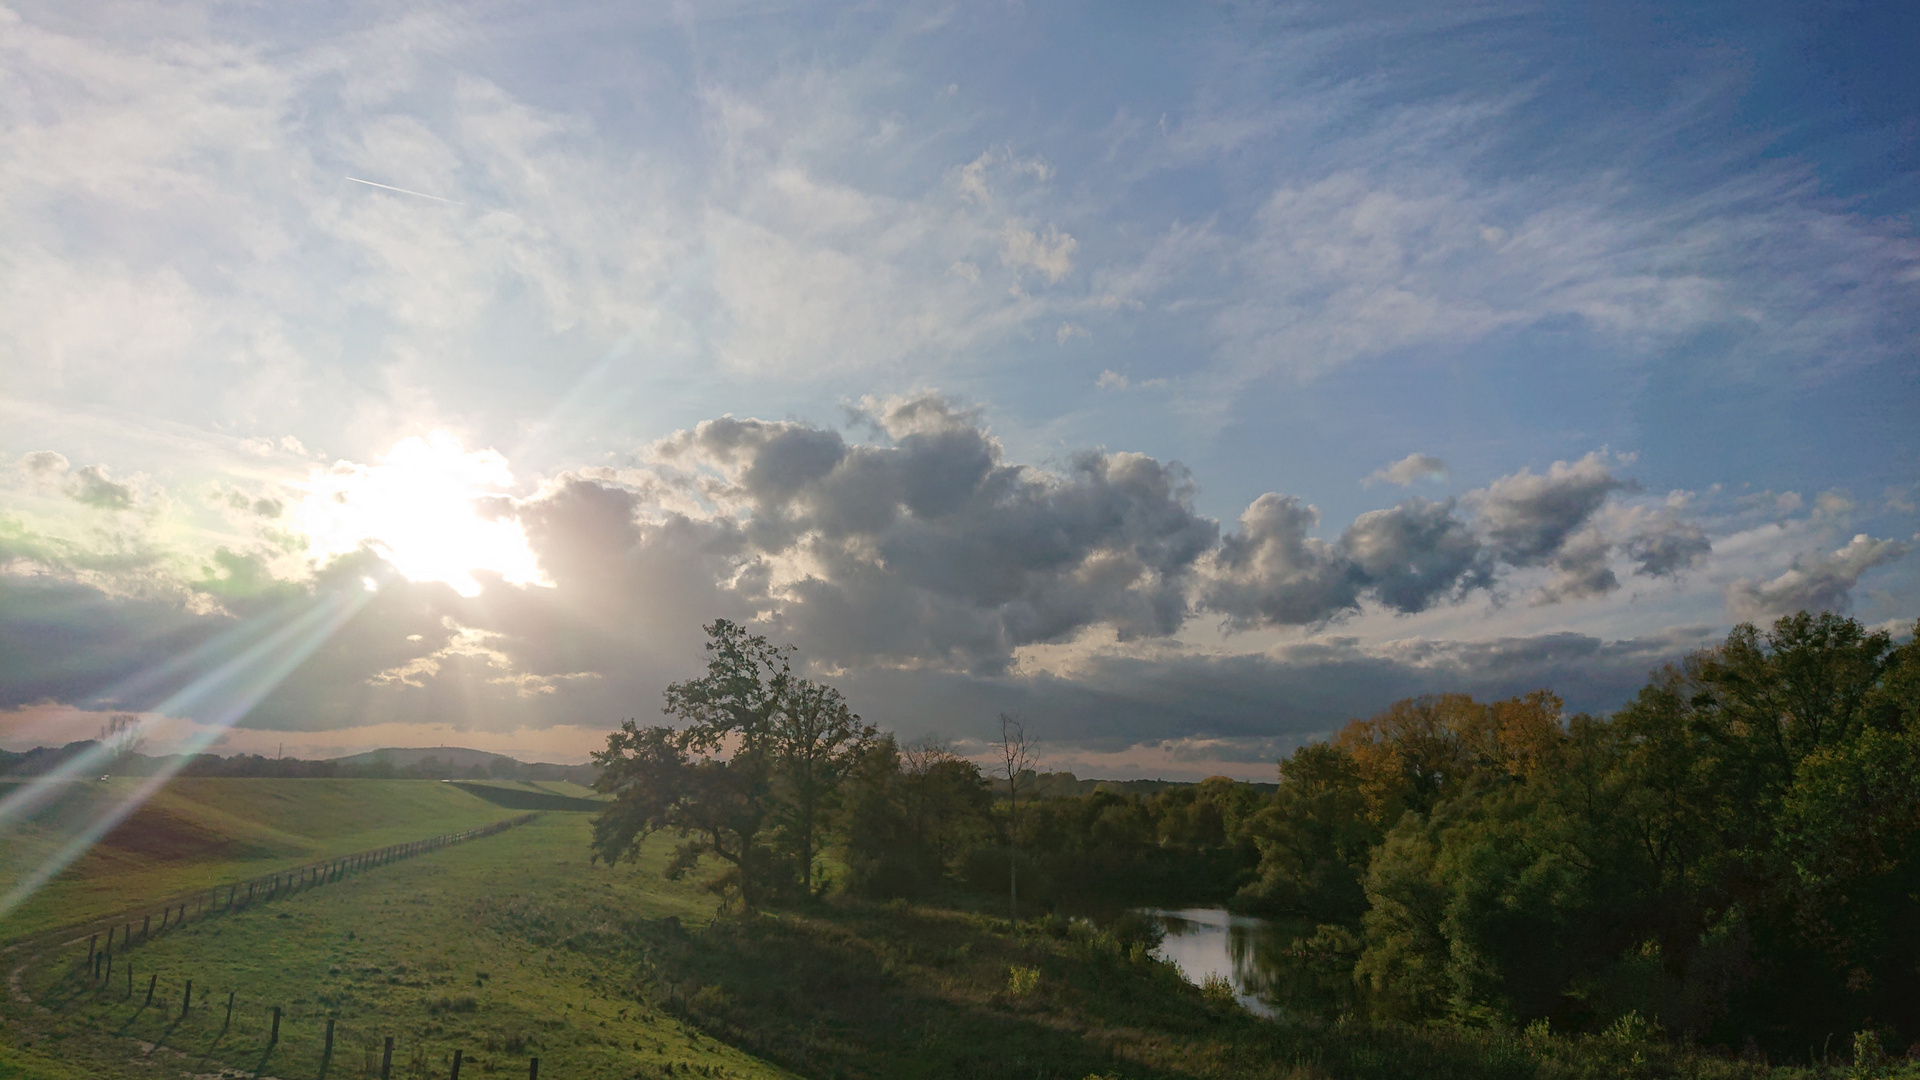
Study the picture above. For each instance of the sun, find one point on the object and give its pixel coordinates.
(423, 507)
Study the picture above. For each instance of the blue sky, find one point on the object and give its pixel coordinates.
(1630, 292)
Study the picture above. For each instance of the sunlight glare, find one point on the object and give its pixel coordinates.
(419, 508)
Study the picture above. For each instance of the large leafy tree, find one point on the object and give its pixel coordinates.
(753, 761)
(815, 741)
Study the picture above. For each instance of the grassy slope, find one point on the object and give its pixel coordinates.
(198, 832)
(416, 950)
(18, 1064)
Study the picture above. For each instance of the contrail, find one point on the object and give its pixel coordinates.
(404, 191)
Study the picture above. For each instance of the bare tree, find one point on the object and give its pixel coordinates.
(1017, 760)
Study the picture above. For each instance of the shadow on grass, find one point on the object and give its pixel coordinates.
(212, 1045)
(126, 1026)
(260, 1067)
(859, 990)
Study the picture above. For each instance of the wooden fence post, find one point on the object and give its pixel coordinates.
(108, 976)
(153, 980)
(186, 1000)
(326, 1052)
(93, 944)
(274, 1039)
(386, 1060)
(229, 1018)
(129, 981)
(533, 1069)
(455, 1074)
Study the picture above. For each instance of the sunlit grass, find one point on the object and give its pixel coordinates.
(407, 950)
(197, 832)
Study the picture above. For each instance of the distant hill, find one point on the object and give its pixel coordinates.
(1065, 784)
(411, 763)
(463, 761)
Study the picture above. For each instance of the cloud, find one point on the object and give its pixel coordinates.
(1050, 253)
(1262, 702)
(1529, 517)
(1664, 546)
(1415, 554)
(1834, 503)
(1407, 558)
(931, 548)
(1272, 573)
(1420, 553)
(92, 487)
(1408, 471)
(914, 563)
(44, 464)
(1815, 582)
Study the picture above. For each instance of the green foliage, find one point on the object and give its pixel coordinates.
(1731, 859)
(1314, 839)
(1022, 981)
(1732, 855)
(909, 817)
(748, 779)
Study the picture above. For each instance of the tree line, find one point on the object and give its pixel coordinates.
(1734, 856)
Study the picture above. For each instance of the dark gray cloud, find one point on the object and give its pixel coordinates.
(1414, 554)
(1667, 547)
(1528, 518)
(1265, 702)
(931, 548)
(1407, 558)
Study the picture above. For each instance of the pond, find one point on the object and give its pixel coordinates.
(1274, 970)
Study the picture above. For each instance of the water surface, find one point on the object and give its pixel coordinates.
(1260, 957)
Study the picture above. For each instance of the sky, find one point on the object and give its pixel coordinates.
(1186, 379)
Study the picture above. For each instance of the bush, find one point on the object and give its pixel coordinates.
(1022, 981)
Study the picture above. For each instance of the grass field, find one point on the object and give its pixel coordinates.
(198, 832)
(420, 950)
(515, 946)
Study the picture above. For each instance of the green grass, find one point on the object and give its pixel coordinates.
(415, 950)
(514, 946)
(201, 831)
(564, 788)
(16, 1064)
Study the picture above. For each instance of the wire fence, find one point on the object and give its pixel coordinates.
(106, 973)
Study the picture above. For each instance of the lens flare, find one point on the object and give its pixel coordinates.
(237, 669)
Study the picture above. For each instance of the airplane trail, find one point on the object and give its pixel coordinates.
(404, 191)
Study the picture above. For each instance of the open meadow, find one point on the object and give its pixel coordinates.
(198, 832)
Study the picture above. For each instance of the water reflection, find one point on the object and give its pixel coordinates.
(1274, 969)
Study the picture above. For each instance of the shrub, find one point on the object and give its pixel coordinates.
(1022, 981)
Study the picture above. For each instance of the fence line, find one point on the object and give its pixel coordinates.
(208, 902)
(99, 962)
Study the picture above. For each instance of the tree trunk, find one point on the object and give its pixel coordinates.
(1013, 854)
